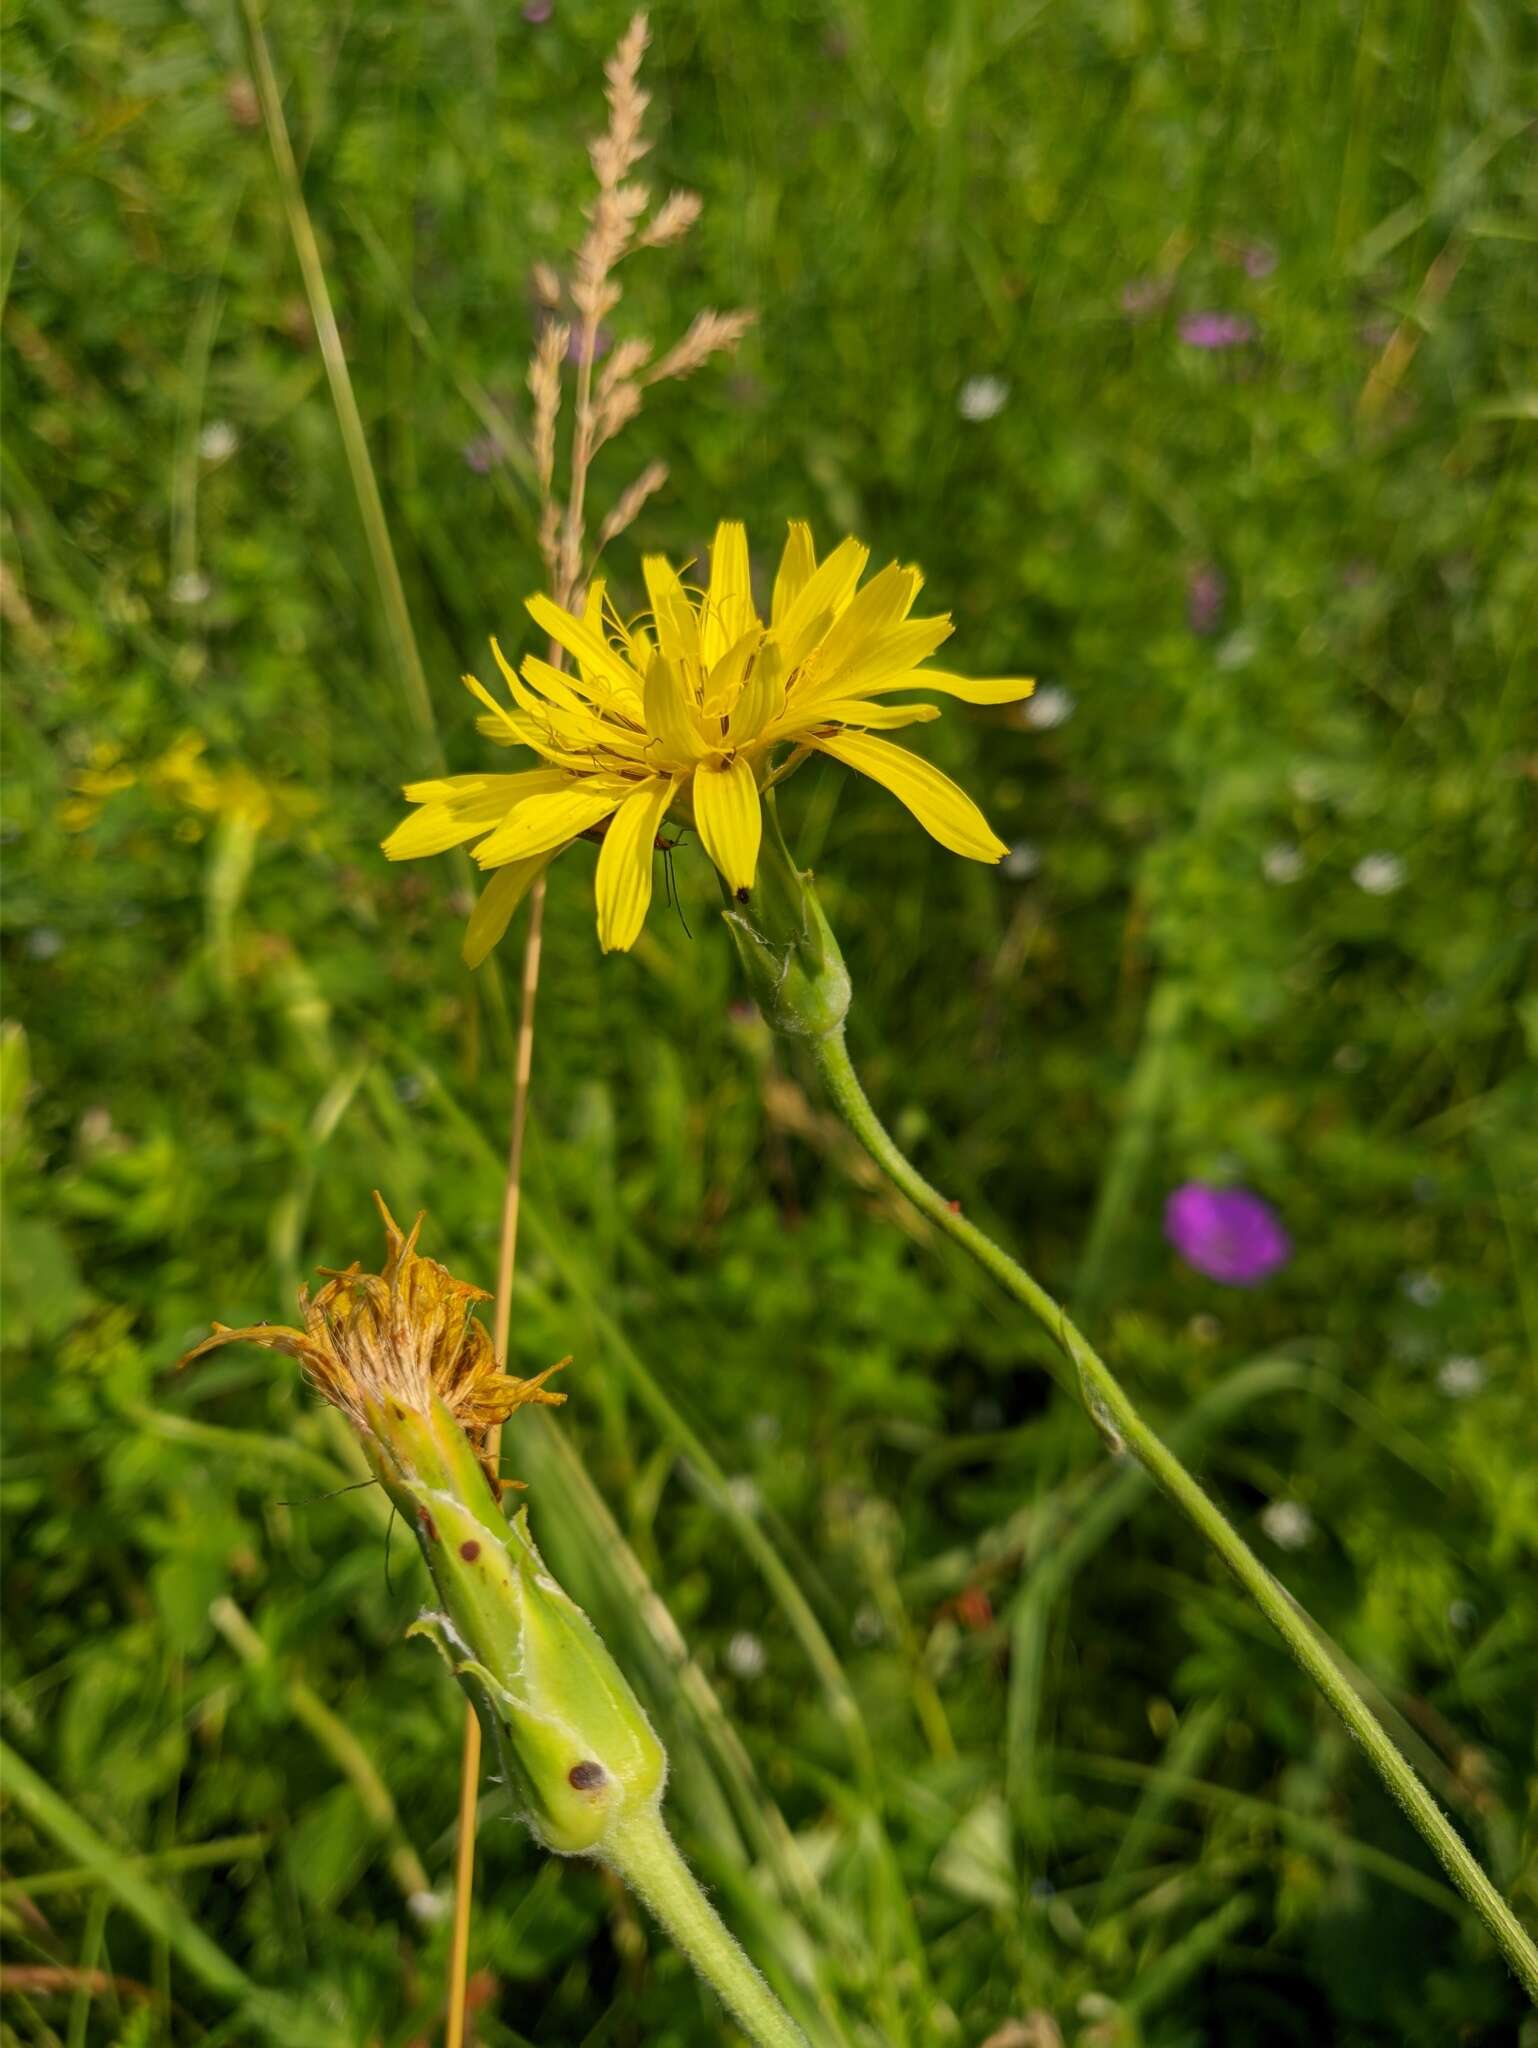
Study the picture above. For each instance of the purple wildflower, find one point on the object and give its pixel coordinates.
(1142, 296)
(1227, 1233)
(603, 341)
(1216, 330)
(1206, 589)
(537, 12)
(481, 454)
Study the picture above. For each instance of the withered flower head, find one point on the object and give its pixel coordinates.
(406, 1333)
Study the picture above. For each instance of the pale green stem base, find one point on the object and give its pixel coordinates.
(642, 1851)
(1117, 1419)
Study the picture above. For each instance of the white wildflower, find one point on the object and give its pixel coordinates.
(982, 398)
(1379, 874)
(1288, 1523)
(1050, 706)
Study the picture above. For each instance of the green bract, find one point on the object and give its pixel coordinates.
(575, 1745)
(787, 948)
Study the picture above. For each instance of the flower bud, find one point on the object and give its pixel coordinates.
(575, 1745)
(789, 954)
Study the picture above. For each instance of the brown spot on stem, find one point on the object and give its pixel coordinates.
(469, 1550)
(585, 1777)
(429, 1526)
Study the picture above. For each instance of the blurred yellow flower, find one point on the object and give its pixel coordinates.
(182, 776)
(692, 710)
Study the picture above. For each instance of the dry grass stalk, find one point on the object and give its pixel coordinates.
(545, 389)
(672, 220)
(607, 398)
(613, 223)
(630, 501)
(708, 334)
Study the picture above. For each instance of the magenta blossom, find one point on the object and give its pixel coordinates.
(482, 454)
(1216, 330)
(1227, 1233)
(1143, 295)
(602, 342)
(1206, 589)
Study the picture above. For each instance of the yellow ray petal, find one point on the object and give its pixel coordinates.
(596, 723)
(862, 713)
(672, 717)
(578, 638)
(723, 685)
(443, 788)
(565, 722)
(889, 653)
(762, 700)
(970, 689)
(497, 901)
(611, 686)
(944, 810)
(553, 684)
(729, 819)
(474, 804)
(678, 630)
(624, 882)
(498, 715)
(825, 594)
(729, 607)
(795, 571)
(884, 603)
(542, 823)
(503, 730)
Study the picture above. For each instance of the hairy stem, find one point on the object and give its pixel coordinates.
(644, 1854)
(1118, 1420)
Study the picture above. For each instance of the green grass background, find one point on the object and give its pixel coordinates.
(1021, 1766)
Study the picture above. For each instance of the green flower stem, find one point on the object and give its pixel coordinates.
(641, 1850)
(1117, 1419)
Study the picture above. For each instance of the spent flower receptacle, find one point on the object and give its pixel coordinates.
(403, 1357)
(400, 1353)
(575, 1745)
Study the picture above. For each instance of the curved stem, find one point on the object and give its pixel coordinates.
(1118, 1421)
(645, 1855)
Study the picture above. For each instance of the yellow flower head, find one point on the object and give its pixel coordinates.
(399, 1337)
(689, 711)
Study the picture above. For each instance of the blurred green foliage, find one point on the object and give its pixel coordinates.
(1270, 916)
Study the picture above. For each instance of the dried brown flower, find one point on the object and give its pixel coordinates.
(402, 1335)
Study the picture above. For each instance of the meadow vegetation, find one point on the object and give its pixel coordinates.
(1189, 350)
